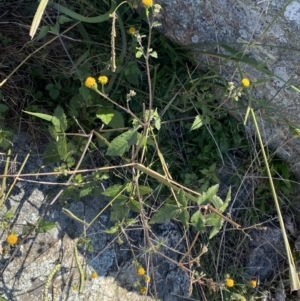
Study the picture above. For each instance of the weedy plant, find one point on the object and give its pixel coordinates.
(148, 121)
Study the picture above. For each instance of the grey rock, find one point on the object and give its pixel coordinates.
(240, 23)
(266, 253)
(25, 275)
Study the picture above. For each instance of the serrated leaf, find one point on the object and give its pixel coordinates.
(164, 213)
(184, 218)
(119, 211)
(207, 195)
(216, 201)
(85, 191)
(216, 222)
(106, 115)
(61, 145)
(181, 198)
(112, 191)
(44, 226)
(121, 144)
(60, 115)
(134, 206)
(226, 202)
(198, 122)
(52, 132)
(114, 229)
(198, 221)
(144, 190)
(117, 121)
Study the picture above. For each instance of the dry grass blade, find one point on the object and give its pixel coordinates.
(294, 279)
(37, 17)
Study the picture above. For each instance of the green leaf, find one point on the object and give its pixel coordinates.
(153, 54)
(181, 198)
(44, 225)
(134, 205)
(3, 108)
(121, 144)
(85, 93)
(156, 24)
(207, 195)
(50, 154)
(119, 210)
(54, 93)
(184, 218)
(117, 120)
(113, 190)
(85, 191)
(52, 132)
(198, 122)
(60, 115)
(55, 28)
(40, 115)
(114, 229)
(64, 19)
(164, 213)
(106, 115)
(144, 190)
(138, 54)
(9, 215)
(226, 202)
(61, 144)
(216, 201)
(216, 221)
(198, 221)
(43, 31)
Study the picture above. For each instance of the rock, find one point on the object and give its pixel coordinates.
(266, 255)
(24, 277)
(262, 30)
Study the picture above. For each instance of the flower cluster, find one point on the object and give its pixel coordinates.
(90, 82)
(246, 82)
(103, 80)
(12, 239)
(94, 275)
(229, 282)
(147, 3)
(131, 30)
(141, 271)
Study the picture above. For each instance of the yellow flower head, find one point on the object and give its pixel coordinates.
(147, 278)
(12, 239)
(90, 82)
(246, 82)
(94, 275)
(297, 132)
(253, 283)
(143, 290)
(141, 271)
(229, 282)
(103, 79)
(132, 30)
(147, 3)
